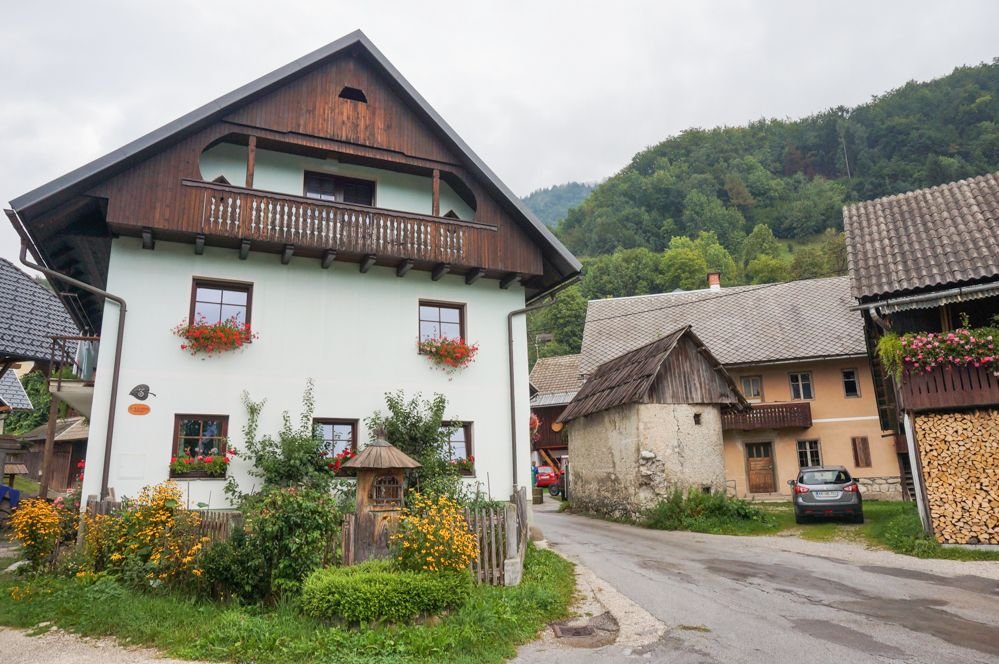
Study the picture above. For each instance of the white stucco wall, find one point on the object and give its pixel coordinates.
(624, 460)
(354, 334)
(285, 173)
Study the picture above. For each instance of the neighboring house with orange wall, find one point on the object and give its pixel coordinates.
(798, 353)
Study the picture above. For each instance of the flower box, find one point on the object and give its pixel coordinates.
(203, 338)
(448, 354)
(196, 475)
(465, 466)
(213, 466)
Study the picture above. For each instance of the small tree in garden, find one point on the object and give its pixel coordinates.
(417, 427)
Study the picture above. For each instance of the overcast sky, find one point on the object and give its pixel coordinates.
(545, 92)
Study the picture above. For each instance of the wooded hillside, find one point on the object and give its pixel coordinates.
(794, 175)
(551, 204)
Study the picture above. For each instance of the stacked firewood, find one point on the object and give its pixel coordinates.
(960, 459)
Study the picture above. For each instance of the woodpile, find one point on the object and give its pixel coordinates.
(960, 459)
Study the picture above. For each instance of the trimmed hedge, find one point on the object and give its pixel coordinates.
(375, 591)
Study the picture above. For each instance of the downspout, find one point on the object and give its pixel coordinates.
(22, 231)
(512, 368)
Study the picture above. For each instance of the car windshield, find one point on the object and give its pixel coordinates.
(545, 469)
(825, 477)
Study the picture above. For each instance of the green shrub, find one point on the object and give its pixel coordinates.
(375, 591)
(235, 569)
(707, 513)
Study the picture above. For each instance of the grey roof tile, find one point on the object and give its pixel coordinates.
(741, 324)
(30, 315)
(12, 394)
(940, 236)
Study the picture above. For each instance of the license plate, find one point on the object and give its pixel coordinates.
(826, 494)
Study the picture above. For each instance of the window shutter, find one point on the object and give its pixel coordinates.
(861, 452)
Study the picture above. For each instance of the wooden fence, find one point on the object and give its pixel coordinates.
(489, 527)
(216, 525)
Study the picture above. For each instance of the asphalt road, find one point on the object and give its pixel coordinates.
(743, 599)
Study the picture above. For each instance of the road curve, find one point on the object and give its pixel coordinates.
(742, 599)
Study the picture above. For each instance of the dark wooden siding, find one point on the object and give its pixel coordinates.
(546, 437)
(308, 114)
(685, 377)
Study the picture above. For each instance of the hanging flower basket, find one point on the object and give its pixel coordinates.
(449, 354)
(212, 465)
(203, 338)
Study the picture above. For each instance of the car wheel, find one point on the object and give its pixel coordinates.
(553, 490)
(798, 518)
(857, 518)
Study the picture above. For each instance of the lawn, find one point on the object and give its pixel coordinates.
(25, 486)
(486, 629)
(890, 525)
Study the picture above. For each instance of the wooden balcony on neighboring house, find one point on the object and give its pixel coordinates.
(796, 415)
(259, 217)
(946, 388)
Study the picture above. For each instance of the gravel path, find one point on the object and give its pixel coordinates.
(58, 646)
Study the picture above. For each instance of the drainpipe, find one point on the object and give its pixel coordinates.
(512, 367)
(52, 274)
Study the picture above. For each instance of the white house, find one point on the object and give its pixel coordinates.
(330, 208)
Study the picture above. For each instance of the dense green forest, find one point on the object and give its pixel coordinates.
(551, 204)
(763, 202)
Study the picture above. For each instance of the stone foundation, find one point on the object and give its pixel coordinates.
(881, 488)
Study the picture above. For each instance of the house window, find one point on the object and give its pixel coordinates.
(353, 94)
(752, 388)
(861, 452)
(438, 319)
(460, 441)
(851, 384)
(809, 454)
(328, 187)
(215, 301)
(337, 435)
(200, 435)
(801, 386)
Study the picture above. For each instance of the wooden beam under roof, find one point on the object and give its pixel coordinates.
(405, 266)
(474, 275)
(367, 262)
(440, 270)
(328, 257)
(286, 253)
(244, 249)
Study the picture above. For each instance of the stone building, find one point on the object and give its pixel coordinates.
(647, 423)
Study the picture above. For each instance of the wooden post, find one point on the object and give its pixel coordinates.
(436, 206)
(43, 486)
(251, 161)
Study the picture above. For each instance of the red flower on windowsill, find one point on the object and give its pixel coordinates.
(449, 354)
(202, 337)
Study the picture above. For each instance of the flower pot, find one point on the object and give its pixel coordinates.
(196, 475)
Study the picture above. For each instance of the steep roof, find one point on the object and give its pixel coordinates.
(945, 235)
(12, 394)
(741, 325)
(79, 180)
(30, 315)
(628, 378)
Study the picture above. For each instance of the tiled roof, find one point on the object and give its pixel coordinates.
(930, 237)
(30, 315)
(556, 374)
(741, 324)
(12, 394)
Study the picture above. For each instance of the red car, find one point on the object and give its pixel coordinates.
(547, 476)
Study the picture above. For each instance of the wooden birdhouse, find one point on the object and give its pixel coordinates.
(381, 483)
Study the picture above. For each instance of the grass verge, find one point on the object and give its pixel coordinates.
(710, 513)
(486, 629)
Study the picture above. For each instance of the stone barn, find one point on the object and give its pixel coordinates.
(649, 422)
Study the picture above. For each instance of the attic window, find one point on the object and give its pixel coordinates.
(221, 180)
(697, 418)
(353, 94)
(451, 214)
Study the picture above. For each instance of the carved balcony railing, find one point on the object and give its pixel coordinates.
(235, 212)
(770, 416)
(949, 387)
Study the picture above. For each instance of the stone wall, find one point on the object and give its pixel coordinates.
(959, 453)
(888, 487)
(625, 460)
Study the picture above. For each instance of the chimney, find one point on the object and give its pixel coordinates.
(714, 280)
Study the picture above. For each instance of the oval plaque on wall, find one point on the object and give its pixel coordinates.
(557, 426)
(138, 409)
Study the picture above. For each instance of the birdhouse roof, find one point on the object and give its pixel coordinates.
(381, 454)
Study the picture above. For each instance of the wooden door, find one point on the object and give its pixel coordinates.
(760, 467)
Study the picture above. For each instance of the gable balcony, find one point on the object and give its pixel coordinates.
(797, 415)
